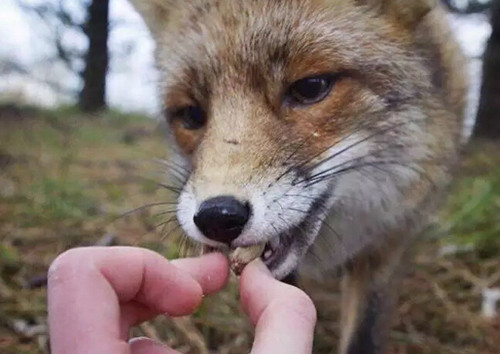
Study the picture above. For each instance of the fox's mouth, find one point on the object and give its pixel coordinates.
(274, 251)
(283, 251)
(269, 255)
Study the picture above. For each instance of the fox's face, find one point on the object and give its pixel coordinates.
(281, 109)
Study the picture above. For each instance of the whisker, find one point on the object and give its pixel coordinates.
(321, 237)
(297, 149)
(299, 210)
(174, 165)
(173, 189)
(359, 158)
(308, 179)
(274, 228)
(165, 212)
(358, 127)
(180, 175)
(347, 148)
(164, 237)
(135, 210)
(298, 196)
(374, 164)
(164, 227)
(186, 245)
(153, 229)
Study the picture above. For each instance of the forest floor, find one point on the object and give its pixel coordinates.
(65, 179)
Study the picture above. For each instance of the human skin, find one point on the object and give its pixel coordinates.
(95, 295)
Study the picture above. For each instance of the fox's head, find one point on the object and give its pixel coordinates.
(284, 110)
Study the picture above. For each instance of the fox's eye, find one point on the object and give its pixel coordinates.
(310, 89)
(192, 117)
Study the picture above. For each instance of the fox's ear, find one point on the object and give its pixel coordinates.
(407, 12)
(154, 12)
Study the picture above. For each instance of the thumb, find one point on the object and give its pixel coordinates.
(284, 315)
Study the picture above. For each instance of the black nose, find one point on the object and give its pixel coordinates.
(222, 218)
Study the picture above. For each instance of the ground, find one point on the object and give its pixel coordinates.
(67, 179)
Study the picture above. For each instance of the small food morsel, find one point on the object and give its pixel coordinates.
(241, 256)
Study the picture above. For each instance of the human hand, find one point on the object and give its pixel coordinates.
(96, 294)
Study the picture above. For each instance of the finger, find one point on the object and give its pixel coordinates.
(148, 346)
(284, 315)
(87, 286)
(212, 273)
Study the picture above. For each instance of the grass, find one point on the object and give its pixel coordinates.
(65, 178)
(472, 213)
(56, 200)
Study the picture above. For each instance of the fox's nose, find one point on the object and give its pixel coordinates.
(222, 219)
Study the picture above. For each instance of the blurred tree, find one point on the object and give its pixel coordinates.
(467, 6)
(90, 65)
(488, 117)
(93, 95)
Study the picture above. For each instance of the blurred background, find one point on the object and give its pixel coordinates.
(81, 154)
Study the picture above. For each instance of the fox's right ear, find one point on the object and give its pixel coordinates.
(154, 12)
(407, 12)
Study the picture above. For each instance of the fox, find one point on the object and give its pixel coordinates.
(326, 130)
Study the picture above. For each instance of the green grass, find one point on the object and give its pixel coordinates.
(472, 214)
(55, 200)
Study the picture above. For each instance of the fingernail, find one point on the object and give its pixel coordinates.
(261, 266)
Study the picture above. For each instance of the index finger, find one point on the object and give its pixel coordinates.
(88, 285)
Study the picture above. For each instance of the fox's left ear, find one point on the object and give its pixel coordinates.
(407, 12)
(154, 12)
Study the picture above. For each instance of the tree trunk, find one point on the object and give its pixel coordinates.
(488, 117)
(93, 95)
